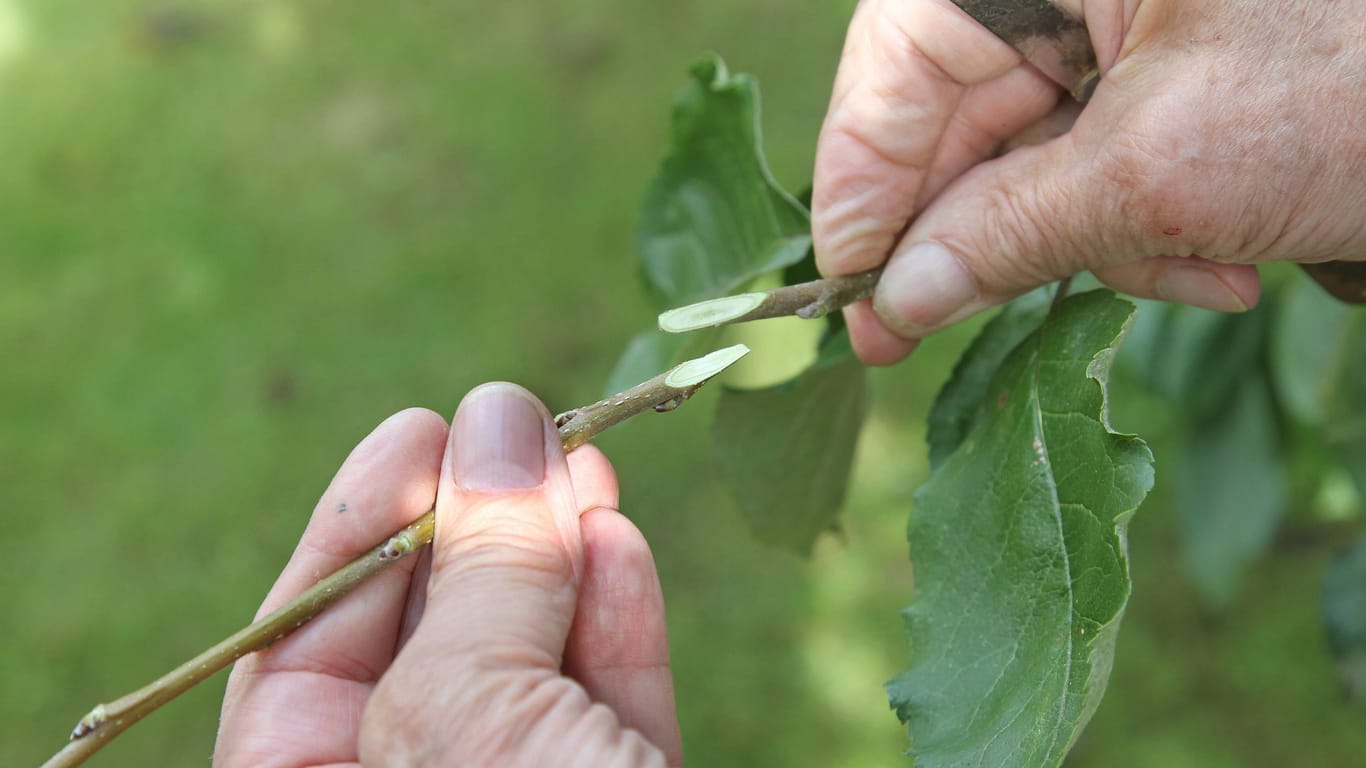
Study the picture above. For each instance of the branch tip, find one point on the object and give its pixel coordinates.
(710, 313)
(694, 372)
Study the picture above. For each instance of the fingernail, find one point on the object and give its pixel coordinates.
(498, 440)
(922, 288)
(1199, 288)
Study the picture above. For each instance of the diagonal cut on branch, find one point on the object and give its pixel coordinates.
(106, 721)
(805, 300)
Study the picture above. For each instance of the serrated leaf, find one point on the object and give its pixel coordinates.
(714, 218)
(959, 404)
(1230, 490)
(1344, 616)
(786, 451)
(1018, 541)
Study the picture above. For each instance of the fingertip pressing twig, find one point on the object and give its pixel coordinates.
(106, 721)
(805, 300)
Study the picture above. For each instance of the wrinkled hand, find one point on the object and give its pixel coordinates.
(1231, 129)
(538, 638)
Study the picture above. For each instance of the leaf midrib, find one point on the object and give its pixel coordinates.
(1036, 406)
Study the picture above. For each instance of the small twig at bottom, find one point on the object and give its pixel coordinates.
(106, 721)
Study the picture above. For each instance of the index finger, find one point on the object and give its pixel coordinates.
(923, 93)
(299, 702)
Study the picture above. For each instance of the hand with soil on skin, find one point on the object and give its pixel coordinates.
(1222, 134)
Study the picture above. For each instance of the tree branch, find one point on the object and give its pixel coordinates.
(805, 300)
(106, 721)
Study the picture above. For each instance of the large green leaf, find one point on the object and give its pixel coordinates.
(1231, 489)
(1231, 485)
(1345, 409)
(1318, 364)
(1018, 540)
(786, 450)
(1194, 357)
(1310, 340)
(959, 404)
(1344, 616)
(714, 218)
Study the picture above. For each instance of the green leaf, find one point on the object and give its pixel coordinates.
(1231, 490)
(650, 353)
(714, 218)
(786, 451)
(1344, 616)
(1309, 340)
(959, 404)
(1194, 357)
(1018, 540)
(1345, 410)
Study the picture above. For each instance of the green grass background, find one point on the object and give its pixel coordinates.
(234, 236)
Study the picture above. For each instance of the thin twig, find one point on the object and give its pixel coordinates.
(806, 300)
(1060, 293)
(106, 721)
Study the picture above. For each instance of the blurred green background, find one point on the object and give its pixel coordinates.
(234, 236)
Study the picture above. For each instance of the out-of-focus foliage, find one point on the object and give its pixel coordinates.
(1309, 343)
(786, 450)
(1230, 489)
(714, 219)
(1269, 403)
(1344, 616)
(1230, 482)
(1318, 363)
(650, 352)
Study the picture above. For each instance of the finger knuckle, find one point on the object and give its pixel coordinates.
(534, 555)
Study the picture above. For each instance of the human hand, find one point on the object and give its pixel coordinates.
(1230, 129)
(537, 639)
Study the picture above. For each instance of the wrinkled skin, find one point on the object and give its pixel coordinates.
(534, 634)
(1224, 133)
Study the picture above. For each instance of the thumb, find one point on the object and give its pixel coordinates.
(479, 682)
(1046, 212)
(1010, 225)
(507, 553)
